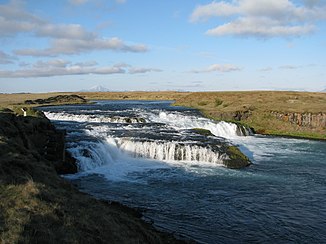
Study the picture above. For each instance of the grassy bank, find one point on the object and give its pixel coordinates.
(256, 109)
(38, 206)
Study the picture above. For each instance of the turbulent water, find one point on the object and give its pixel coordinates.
(145, 155)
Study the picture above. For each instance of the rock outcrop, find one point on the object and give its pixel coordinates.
(60, 99)
(39, 137)
(312, 120)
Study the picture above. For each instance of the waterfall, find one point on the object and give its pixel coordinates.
(91, 155)
(181, 121)
(170, 151)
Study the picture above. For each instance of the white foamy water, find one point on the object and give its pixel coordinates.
(63, 116)
(181, 121)
(171, 151)
(110, 151)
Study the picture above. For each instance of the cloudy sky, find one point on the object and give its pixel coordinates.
(187, 45)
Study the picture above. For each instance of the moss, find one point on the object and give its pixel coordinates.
(237, 159)
(29, 111)
(202, 103)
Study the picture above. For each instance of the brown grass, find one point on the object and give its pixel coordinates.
(258, 105)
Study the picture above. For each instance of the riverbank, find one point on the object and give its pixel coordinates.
(38, 206)
(289, 114)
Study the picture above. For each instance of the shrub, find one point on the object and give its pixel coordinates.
(202, 103)
(218, 102)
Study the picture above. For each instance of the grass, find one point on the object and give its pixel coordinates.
(218, 102)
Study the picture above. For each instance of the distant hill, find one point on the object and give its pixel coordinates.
(96, 89)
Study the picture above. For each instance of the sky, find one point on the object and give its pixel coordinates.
(182, 45)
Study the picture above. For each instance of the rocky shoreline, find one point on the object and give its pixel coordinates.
(37, 205)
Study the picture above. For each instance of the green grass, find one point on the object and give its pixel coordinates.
(218, 102)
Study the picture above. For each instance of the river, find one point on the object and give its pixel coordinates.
(145, 155)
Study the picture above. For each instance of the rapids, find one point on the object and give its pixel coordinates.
(145, 155)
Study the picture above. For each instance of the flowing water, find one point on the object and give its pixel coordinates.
(145, 155)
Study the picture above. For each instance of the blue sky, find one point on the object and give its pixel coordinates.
(186, 45)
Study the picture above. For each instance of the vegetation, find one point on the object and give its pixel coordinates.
(218, 102)
(254, 109)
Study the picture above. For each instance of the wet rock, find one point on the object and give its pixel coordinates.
(236, 159)
(202, 131)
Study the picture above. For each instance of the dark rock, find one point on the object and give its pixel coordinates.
(61, 99)
(39, 138)
(202, 131)
(237, 159)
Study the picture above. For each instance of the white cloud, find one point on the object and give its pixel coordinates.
(143, 70)
(60, 67)
(288, 66)
(266, 69)
(262, 18)
(6, 58)
(223, 68)
(70, 46)
(64, 38)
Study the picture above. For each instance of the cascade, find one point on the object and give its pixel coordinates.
(181, 121)
(170, 151)
(91, 155)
